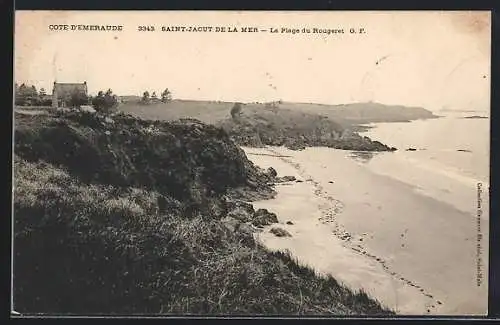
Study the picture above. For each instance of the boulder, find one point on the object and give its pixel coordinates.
(286, 179)
(272, 172)
(280, 232)
(240, 211)
(262, 217)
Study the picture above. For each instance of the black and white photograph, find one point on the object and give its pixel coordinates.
(251, 163)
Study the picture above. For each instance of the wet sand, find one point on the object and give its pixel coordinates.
(412, 252)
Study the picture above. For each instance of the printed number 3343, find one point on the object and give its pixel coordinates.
(146, 28)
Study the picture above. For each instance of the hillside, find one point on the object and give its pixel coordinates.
(363, 113)
(118, 215)
(348, 115)
(293, 125)
(293, 129)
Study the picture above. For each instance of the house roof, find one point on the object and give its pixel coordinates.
(68, 88)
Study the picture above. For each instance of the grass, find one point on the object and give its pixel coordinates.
(123, 245)
(205, 111)
(347, 115)
(84, 249)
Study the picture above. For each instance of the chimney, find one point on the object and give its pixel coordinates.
(85, 82)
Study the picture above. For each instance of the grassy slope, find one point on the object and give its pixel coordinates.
(296, 125)
(347, 115)
(207, 112)
(103, 241)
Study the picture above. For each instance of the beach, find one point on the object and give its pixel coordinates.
(414, 252)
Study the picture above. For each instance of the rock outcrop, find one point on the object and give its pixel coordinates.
(257, 132)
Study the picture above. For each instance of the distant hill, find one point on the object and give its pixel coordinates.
(262, 123)
(348, 115)
(363, 113)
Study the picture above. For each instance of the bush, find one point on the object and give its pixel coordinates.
(184, 159)
(236, 110)
(105, 102)
(78, 99)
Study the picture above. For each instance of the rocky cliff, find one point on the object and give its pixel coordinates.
(296, 133)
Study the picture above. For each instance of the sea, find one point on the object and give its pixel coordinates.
(447, 158)
(423, 211)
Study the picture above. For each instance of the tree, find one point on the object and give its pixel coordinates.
(166, 95)
(105, 102)
(17, 94)
(26, 95)
(145, 97)
(43, 99)
(236, 110)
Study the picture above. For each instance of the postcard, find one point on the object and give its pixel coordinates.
(251, 163)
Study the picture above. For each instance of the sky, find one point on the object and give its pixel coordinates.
(430, 59)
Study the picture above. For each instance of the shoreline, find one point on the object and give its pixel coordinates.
(373, 241)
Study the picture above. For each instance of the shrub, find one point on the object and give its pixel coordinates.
(105, 102)
(236, 110)
(184, 159)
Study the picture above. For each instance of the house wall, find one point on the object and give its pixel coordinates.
(54, 97)
(60, 97)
